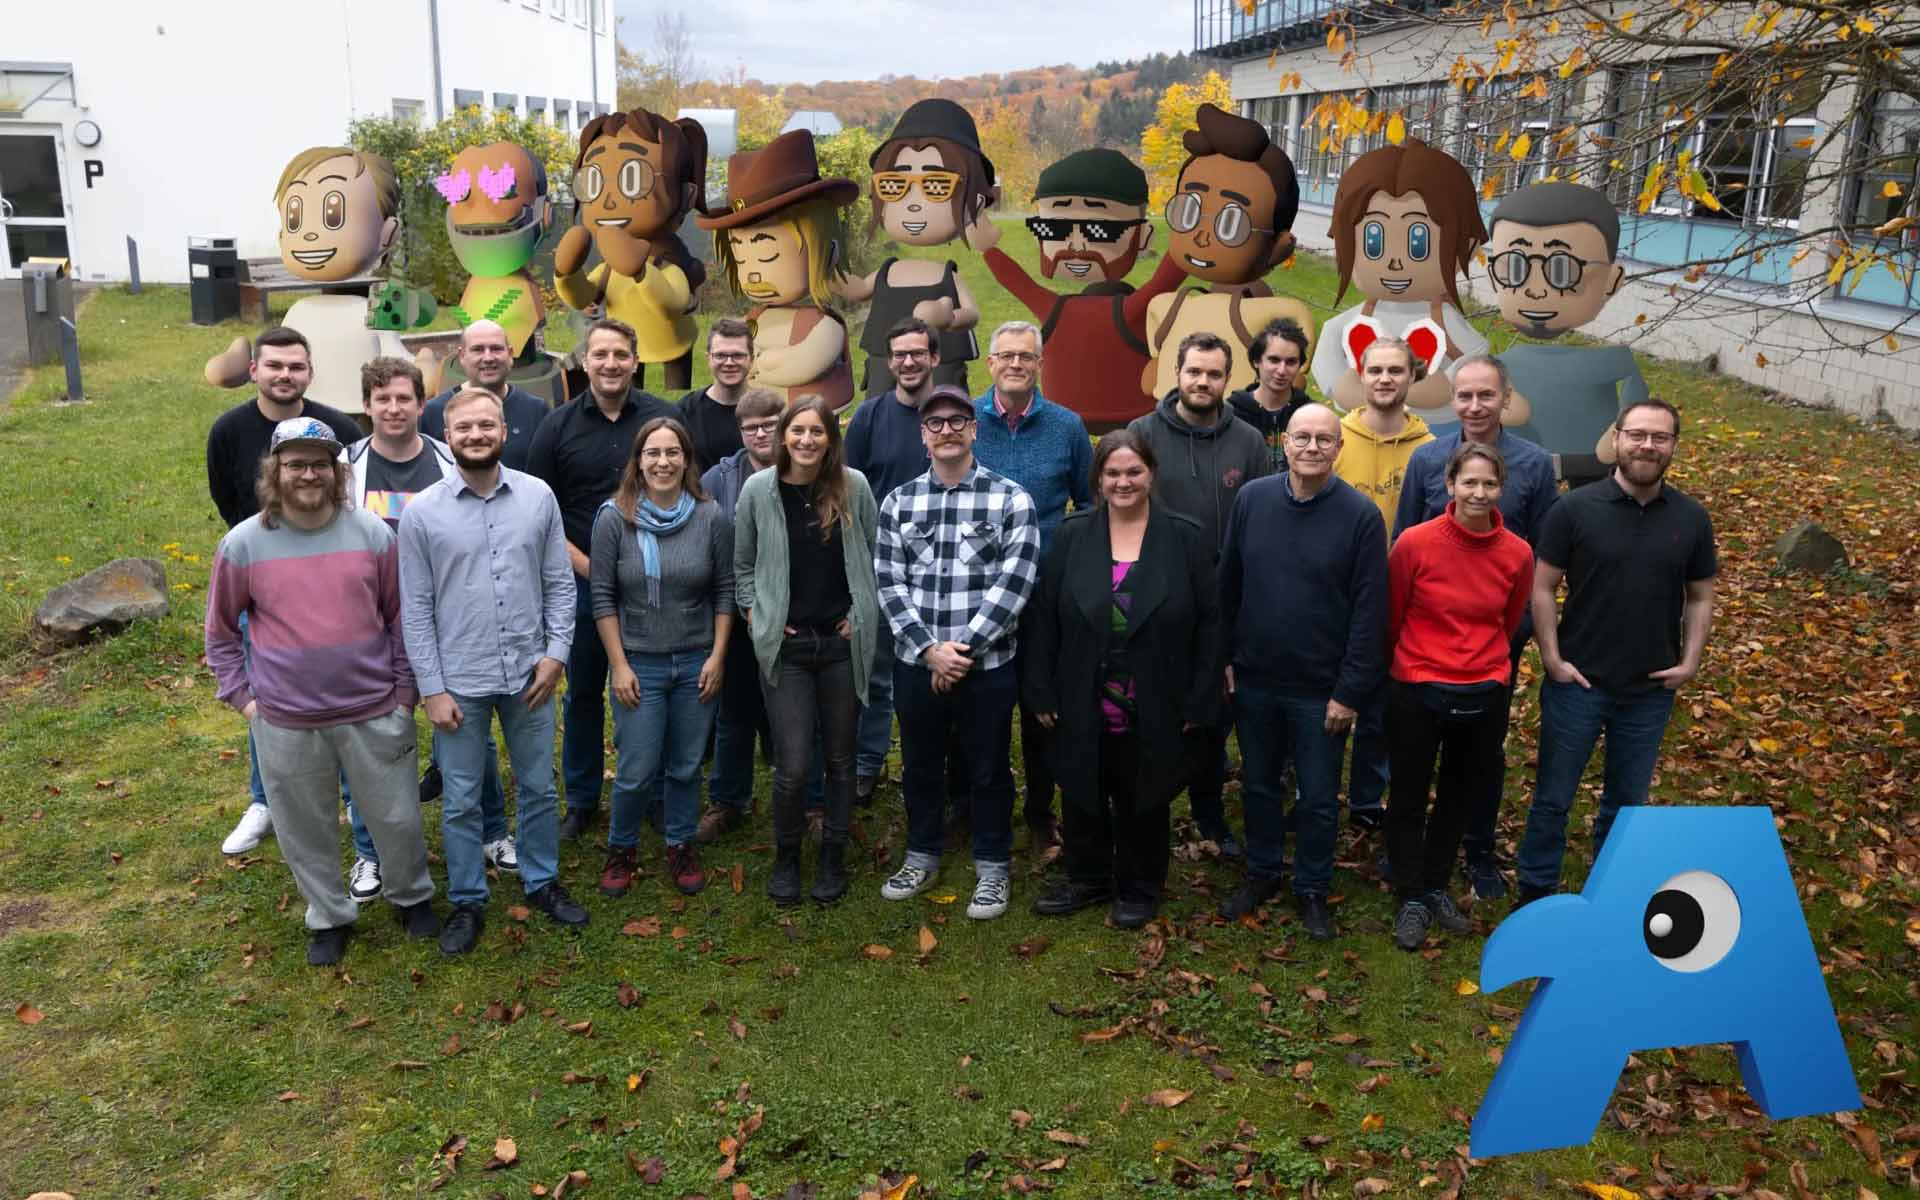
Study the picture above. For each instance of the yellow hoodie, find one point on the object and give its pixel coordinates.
(1375, 465)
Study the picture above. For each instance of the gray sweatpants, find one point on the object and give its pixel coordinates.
(302, 768)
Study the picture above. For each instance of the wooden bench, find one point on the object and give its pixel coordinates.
(261, 276)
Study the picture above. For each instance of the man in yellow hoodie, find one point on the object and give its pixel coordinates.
(1377, 440)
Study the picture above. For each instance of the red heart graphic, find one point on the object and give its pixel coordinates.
(1360, 335)
(1425, 342)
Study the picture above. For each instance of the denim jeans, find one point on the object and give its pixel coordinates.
(814, 712)
(583, 747)
(1277, 727)
(1572, 718)
(493, 804)
(875, 738)
(741, 718)
(463, 769)
(665, 735)
(977, 710)
(1371, 769)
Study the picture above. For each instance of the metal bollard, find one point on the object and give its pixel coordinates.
(133, 266)
(70, 350)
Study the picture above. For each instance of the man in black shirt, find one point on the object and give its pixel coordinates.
(708, 413)
(282, 367)
(1638, 558)
(1279, 355)
(487, 362)
(580, 451)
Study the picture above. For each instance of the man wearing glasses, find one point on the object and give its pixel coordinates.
(1090, 219)
(709, 413)
(1551, 259)
(1638, 558)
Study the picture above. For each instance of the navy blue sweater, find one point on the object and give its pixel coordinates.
(1313, 578)
(883, 443)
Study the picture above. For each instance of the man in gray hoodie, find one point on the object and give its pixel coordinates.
(1206, 455)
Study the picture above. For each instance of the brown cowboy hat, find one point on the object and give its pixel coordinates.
(762, 182)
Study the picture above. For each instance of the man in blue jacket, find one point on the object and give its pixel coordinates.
(1303, 594)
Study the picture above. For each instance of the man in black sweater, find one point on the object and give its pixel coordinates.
(1279, 362)
(1303, 595)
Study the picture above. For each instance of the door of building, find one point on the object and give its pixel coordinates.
(33, 207)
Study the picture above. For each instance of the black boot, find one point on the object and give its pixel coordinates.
(783, 886)
(830, 877)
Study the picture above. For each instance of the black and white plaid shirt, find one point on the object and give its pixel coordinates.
(956, 564)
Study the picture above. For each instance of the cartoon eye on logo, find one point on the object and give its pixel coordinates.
(294, 209)
(1691, 922)
(453, 187)
(333, 210)
(1373, 239)
(636, 178)
(496, 185)
(1419, 241)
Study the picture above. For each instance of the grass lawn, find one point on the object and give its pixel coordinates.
(170, 1041)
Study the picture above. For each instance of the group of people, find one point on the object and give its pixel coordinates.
(734, 569)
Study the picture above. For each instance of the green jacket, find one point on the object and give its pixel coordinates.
(761, 571)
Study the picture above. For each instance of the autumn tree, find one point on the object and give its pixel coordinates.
(1160, 150)
(658, 78)
(1004, 138)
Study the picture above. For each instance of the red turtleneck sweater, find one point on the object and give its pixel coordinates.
(1455, 599)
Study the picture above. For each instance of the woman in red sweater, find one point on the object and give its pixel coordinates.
(1457, 587)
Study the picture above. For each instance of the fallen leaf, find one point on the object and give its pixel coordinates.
(1021, 1118)
(927, 941)
(505, 1154)
(409, 1064)
(1371, 1186)
(27, 1014)
(1034, 946)
(636, 1082)
(877, 952)
(1066, 1138)
(1303, 1070)
(287, 1097)
(1372, 1122)
(642, 927)
(739, 878)
(737, 1028)
(582, 1028)
(519, 912)
(359, 1023)
(626, 994)
(1607, 1191)
(1168, 1098)
(649, 1170)
(451, 1047)
(1466, 987)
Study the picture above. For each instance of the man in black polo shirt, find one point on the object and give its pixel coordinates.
(580, 451)
(1639, 561)
(488, 362)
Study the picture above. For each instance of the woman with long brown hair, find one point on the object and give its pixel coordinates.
(663, 605)
(803, 571)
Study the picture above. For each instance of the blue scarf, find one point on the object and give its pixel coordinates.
(651, 523)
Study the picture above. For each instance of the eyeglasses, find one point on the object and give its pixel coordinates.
(1645, 437)
(728, 356)
(759, 429)
(952, 424)
(1510, 268)
(1023, 358)
(1099, 229)
(1232, 225)
(635, 179)
(1326, 441)
(909, 355)
(936, 186)
(303, 467)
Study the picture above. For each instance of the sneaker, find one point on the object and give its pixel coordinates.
(683, 867)
(906, 883)
(462, 930)
(1411, 924)
(1447, 914)
(554, 901)
(419, 920)
(1314, 917)
(617, 876)
(715, 821)
(363, 882)
(1526, 894)
(989, 897)
(502, 854)
(255, 824)
(1132, 913)
(1250, 895)
(326, 946)
(1488, 883)
(1070, 897)
(576, 822)
(431, 784)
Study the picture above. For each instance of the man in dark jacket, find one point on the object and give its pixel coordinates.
(1279, 362)
(1206, 455)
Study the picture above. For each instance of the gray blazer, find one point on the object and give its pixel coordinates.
(762, 572)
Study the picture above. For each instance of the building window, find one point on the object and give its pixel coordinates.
(1888, 153)
(409, 110)
(468, 98)
(557, 9)
(506, 101)
(537, 107)
(1499, 113)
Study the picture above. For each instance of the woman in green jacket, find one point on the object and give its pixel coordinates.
(803, 575)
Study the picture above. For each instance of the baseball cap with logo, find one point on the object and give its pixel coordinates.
(295, 431)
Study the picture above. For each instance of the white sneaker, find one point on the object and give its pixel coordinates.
(502, 854)
(255, 823)
(989, 897)
(363, 882)
(906, 883)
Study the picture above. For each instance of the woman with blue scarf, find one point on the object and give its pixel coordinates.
(663, 605)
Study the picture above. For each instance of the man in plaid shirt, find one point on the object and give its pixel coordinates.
(957, 557)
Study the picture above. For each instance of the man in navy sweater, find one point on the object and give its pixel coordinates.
(1303, 593)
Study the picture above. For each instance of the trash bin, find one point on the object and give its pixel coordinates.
(48, 291)
(213, 279)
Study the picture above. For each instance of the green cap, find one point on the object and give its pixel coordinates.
(1101, 173)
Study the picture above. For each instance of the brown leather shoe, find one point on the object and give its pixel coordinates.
(683, 866)
(617, 876)
(715, 821)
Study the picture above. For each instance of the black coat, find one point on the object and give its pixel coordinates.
(1174, 646)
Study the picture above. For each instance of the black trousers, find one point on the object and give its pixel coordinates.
(814, 691)
(1483, 805)
(1116, 839)
(1466, 729)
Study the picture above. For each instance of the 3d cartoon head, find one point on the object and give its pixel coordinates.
(1231, 214)
(639, 172)
(1551, 257)
(1089, 217)
(1688, 932)
(1406, 221)
(780, 243)
(338, 211)
(497, 207)
(930, 177)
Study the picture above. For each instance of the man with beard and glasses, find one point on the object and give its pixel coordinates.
(708, 413)
(1638, 558)
(487, 359)
(487, 604)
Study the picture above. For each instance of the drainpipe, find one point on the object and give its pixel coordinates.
(593, 51)
(433, 30)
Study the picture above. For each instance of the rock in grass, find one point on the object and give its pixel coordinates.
(107, 599)
(1807, 547)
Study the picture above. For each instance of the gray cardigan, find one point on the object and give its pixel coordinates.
(762, 572)
(696, 580)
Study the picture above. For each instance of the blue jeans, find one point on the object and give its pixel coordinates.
(1572, 719)
(875, 737)
(1370, 771)
(977, 711)
(464, 755)
(1277, 727)
(583, 747)
(493, 804)
(665, 735)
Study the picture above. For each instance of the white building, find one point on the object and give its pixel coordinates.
(1766, 318)
(172, 118)
(817, 121)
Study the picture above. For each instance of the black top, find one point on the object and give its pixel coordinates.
(1628, 566)
(715, 428)
(817, 569)
(238, 441)
(883, 443)
(1271, 423)
(892, 303)
(581, 455)
(390, 485)
(524, 412)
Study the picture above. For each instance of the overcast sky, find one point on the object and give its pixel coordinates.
(808, 41)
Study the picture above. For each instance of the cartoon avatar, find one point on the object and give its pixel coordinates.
(338, 218)
(635, 178)
(1688, 932)
(780, 248)
(1229, 222)
(497, 212)
(1090, 218)
(931, 184)
(1406, 221)
(1552, 264)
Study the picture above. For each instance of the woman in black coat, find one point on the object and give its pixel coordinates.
(1122, 660)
